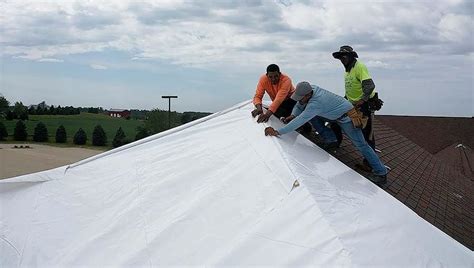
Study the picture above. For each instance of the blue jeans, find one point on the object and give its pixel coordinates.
(355, 135)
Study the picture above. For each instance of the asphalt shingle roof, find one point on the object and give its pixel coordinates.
(434, 189)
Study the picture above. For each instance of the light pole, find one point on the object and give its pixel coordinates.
(169, 108)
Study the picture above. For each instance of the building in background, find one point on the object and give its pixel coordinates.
(119, 113)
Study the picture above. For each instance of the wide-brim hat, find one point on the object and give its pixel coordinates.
(345, 50)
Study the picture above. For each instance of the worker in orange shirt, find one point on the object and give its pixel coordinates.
(279, 87)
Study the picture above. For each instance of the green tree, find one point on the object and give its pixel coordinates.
(80, 137)
(186, 117)
(142, 132)
(3, 131)
(10, 115)
(99, 138)
(31, 110)
(191, 116)
(20, 110)
(158, 121)
(41, 133)
(4, 106)
(61, 135)
(20, 134)
(119, 138)
(52, 110)
(23, 116)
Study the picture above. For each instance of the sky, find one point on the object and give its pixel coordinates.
(127, 54)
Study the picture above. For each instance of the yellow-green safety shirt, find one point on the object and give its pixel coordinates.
(353, 82)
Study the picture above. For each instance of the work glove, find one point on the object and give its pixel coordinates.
(287, 119)
(262, 118)
(269, 131)
(257, 111)
(375, 104)
(358, 119)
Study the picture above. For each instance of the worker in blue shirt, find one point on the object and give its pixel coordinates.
(317, 106)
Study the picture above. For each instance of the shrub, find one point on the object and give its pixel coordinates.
(119, 138)
(3, 131)
(80, 137)
(99, 138)
(61, 135)
(41, 133)
(20, 133)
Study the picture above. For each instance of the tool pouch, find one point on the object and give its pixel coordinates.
(358, 118)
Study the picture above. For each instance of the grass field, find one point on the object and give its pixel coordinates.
(72, 123)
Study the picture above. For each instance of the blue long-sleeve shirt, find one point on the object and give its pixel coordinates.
(323, 103)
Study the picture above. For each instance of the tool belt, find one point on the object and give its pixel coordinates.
(357, 117)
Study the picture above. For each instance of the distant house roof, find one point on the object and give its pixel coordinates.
(118, 110)
(421, 177)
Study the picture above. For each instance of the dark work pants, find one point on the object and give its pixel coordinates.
(285, 109)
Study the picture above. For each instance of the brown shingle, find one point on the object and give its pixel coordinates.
(435, 189)
(440, 130)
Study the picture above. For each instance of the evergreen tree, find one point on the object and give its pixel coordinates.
(20, 110)
(39, 110)
(41, 133)
(3, 131)
(23, 116)
(20, 133)
(4, 103)
(99, 138)
(10, 115)
(119, 138)
(61, 135)
(80, 137)
(4, 106)
(142, 132)
(31, 110)
(52, 110)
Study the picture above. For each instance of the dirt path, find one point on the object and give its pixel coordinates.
(15, 162)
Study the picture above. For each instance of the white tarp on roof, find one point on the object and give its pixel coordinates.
(215, 192)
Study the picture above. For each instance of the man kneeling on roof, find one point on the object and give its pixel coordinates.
(317, 105)
(279, 87)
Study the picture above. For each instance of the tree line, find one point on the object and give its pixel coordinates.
(40, 134)
(155, 121)
(22, 112)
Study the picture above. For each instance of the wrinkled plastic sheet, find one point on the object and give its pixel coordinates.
(214, 192)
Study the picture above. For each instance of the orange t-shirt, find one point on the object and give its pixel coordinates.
(278, 93)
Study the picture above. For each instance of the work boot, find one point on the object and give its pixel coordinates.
(377, 179)
(365, 166)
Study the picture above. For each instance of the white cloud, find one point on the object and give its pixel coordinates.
(203, 34)
(397, 37)
(453, 27)
(98, 67)
(376, 63)
(50, 60)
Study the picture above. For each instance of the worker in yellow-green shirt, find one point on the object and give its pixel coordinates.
(360, 91)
